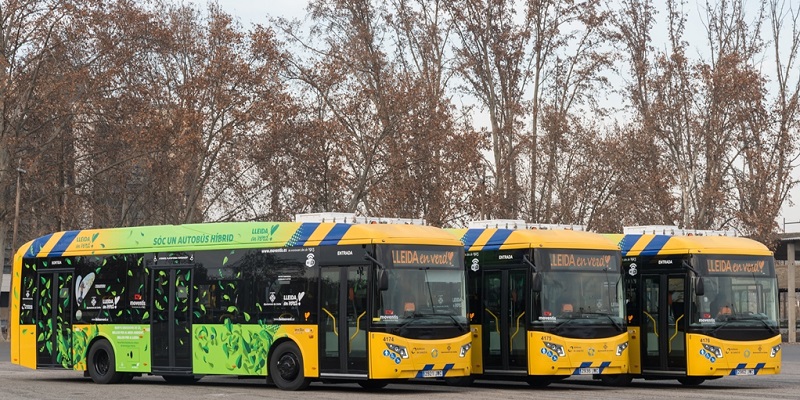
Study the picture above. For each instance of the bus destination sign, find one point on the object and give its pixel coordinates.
(585, 261)
(734, 266)
(421, 258)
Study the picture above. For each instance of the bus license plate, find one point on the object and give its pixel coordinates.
(587, 371)
(432, 374)
(748, 371)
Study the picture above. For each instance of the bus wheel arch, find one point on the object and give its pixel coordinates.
(101, 362)
(286, 366)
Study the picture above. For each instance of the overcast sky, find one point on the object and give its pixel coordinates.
(250, 11)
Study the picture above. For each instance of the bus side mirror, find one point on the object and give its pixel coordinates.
(383, 281)
(537, 282)
(699, 287)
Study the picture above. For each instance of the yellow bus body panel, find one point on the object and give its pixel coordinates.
(634, 350)
(25, 355)
(596, 354)
(477, 349)
(423, 355)
(736, 356)
(307, 339)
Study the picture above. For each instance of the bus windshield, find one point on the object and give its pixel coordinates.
(739, 292)
(425, 287)
(580, 288)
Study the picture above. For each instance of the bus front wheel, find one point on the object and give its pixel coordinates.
(286, 367)
(102, 364)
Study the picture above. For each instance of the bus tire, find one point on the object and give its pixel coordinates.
(102, 363)
(286, 367)
(691, 380)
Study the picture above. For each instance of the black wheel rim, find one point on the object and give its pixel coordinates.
(288, 367)
(101, 363)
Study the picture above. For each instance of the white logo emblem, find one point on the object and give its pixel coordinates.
(475, 267)
(632, 271)
(310, 262)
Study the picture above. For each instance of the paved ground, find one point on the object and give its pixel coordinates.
(17, 383)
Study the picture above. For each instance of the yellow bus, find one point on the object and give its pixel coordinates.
(700, 307)
(288, 301)
(544, 305)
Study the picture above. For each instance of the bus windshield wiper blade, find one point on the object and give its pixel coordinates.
(616, 324)
(462, 327)
(751, 318)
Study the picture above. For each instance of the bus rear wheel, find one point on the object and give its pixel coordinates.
(286, 367)
(102, 364)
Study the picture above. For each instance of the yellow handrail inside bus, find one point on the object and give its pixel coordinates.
(358, 328)
(669, 348)
(496, 321)
(655, 324)
(511, 342)
(334, 320)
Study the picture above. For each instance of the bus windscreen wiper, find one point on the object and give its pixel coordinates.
(616, 324)
(752, 318)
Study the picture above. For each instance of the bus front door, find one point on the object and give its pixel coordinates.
(663, 322)
(54, 319)
(171, 322)
(504, 327)
(343, 322)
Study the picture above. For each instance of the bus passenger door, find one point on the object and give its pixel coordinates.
(504, 325)
(663, 323)
(54, 319)
(343, 322)
(171, 322)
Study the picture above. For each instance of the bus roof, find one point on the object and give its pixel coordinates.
(161, 238)
(478, 239)
(651, 245)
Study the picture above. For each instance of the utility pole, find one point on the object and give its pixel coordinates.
(20, 171)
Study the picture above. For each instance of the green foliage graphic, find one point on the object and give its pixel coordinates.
(233, 349)
(80, 344)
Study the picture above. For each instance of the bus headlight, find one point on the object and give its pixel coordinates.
(775, 350)
(464, 349)
(401, 350)
(555, 348)
(715, 350)
(621, 348)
